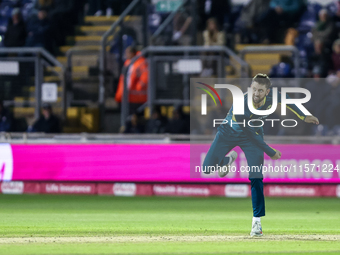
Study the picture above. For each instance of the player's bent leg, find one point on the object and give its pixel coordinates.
(215, 158)
(226, 163)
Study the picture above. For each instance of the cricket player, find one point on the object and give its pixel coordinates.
(250, 140)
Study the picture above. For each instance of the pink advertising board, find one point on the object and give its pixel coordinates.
(158, 163)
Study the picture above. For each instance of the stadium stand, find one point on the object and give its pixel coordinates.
(75, 40)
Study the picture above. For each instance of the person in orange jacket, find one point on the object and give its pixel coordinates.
(137, 78)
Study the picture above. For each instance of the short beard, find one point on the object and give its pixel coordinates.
(260, 100)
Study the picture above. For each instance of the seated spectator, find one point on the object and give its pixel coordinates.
(281, 70)
(38, 31)
(281, 15)
(156, 124)
(15, 35)
(134, 125)
(336, 55)
(5, 119)
(48, 122)
(212, 36)
(137, 80)
(324, 29)
(179, 124)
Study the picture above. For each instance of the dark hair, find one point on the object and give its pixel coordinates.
(133, 50)
(262, 79)
(215, 21)
(47, 106)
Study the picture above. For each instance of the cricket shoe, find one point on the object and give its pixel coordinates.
(224, 170)
(256, 229)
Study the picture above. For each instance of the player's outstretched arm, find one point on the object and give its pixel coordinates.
(312, 119)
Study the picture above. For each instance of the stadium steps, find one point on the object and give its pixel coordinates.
(87, 40)
(85, 67)
(84, 76)
(79, 60)
(64, 49)
(108, 21)
(239, 47)
(32, 89)
(92, 30)
(79, 119)
(166, 111)
(82, 119)
(261, 62)
(29, 99)
(79, 71)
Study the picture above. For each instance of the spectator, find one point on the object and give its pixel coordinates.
(15, 35)
(336, 55)
(134, 125)
(157, 123)
(137, 80)
(324, 29)
(281, 15)
(48, 122)
(182, 21)
(5, 119)
(247, 24)
(213, 8)
(38, 31)
(281, 70)
(321, 58)
(180, 123)
(212, 36)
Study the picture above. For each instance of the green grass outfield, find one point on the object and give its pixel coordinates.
(53, 224)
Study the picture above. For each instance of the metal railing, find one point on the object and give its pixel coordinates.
(32, 138)
(105, 43)
(166, 22)
(41, 59)
(154, 52)
(80, 51)
(275, 49)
